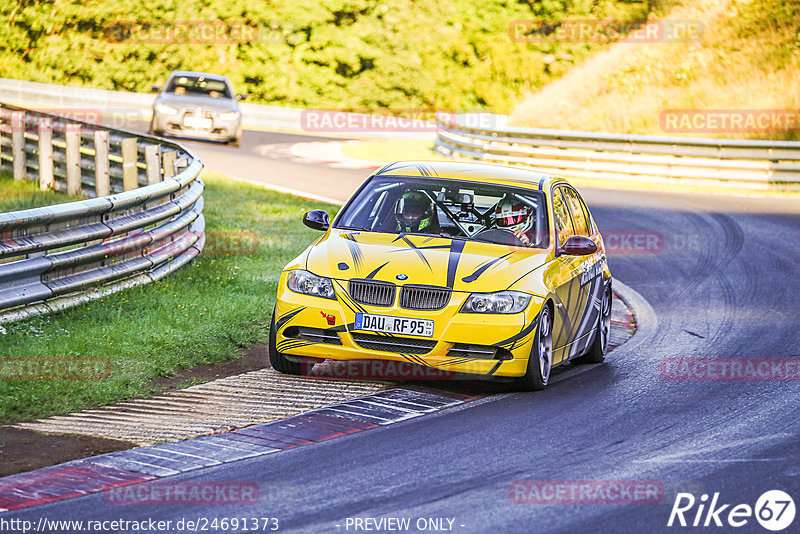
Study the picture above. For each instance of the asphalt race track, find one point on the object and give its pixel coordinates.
(722, 284)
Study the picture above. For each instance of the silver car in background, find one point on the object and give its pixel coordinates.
(197, 104)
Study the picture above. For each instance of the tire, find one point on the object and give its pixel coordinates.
(278, 361)
(154, 132)
(235, 142)
(540, 361)
(599, 348)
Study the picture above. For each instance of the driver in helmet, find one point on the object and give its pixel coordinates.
(516, 217)
(415, 213)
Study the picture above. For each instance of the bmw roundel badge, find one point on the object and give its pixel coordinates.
(402, 277)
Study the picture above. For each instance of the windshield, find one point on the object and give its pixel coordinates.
(449, 208)
(198, 85)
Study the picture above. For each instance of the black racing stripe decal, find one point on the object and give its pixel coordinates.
(456, 248)
(493, 369)
(348, 301)
(341, 328)
(456, 361)
(371, 275)
(384, 169)
(566, 326)
(522, 333)
(286, 317)
(422, 170)
(292, 344)
(355, 250)
(415, 249)
(482, 268)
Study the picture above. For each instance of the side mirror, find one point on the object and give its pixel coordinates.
(317, 220)
(155, 89)
(241, 97)
(578, 245)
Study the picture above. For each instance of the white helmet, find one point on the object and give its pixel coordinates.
(513, 216)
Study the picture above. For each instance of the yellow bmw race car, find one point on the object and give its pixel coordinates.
(474, 270)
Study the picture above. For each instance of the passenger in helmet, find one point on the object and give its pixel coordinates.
(415, 212)
(516, 217)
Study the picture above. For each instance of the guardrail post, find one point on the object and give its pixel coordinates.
(102, 180)
(168, 160)
(18, 144)
(152, 160)
(73, 138)
(130, 175)
(46, 181)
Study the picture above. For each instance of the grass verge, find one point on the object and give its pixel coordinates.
(18, 195)
(207, 312)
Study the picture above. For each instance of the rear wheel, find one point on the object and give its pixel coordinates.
(540, 361)
(599, 349)
(278, 361)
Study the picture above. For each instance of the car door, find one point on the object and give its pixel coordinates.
(565, 275)
(589, 281)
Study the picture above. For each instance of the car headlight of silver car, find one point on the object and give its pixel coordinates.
(165, 109)
(308, 283)
(229, 115)
(499, 302)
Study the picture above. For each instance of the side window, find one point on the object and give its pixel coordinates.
(576, 208)
(589, 221)
(562, 222)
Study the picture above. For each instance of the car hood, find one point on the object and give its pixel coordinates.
(413, 259)
(206, 102)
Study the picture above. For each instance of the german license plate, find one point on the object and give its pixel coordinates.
(394, 325)
(197, 123)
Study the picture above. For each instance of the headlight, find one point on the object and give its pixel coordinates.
(500, 302)
(165, 109)
(229, 116)
(306, 283)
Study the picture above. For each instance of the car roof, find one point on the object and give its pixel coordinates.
(471, 171)
(217, 77)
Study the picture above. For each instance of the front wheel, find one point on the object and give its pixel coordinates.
(278, 361)
(599, 349)
(540, 361)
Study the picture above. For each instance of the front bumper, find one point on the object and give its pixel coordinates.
(304, 328)
(220, 130)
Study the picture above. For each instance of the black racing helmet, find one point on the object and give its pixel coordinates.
(414, 211)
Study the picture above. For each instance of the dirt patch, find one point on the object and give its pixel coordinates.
(256, 358)
(25, 450)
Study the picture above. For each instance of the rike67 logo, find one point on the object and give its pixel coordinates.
(774, 510)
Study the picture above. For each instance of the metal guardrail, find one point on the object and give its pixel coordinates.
(121, 106)
(725, 163)
(144, 221)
